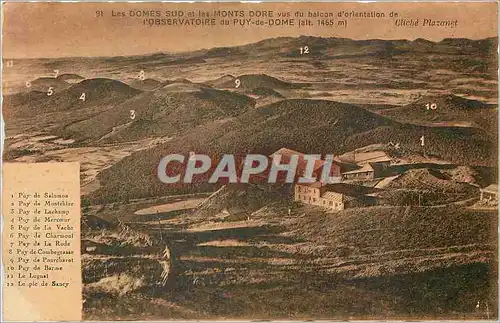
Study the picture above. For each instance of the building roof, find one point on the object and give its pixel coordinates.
(493, 188)
(329, 195)
(313, 185)
(365, 157)
(332, 196)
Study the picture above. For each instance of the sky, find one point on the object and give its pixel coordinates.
(74, 29)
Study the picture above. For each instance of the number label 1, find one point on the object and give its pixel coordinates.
(132, 114)
(422, 141)
(431, 106)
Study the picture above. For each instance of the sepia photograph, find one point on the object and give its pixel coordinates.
(285, 161)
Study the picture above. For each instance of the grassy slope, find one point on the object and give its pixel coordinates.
(378, 262)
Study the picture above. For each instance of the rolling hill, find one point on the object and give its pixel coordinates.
(173, 109)
(101, 91)
(223, 81)
(251, 82)
(146, 84)
(97, 93)
(42, 84)
(70, 77)
(14, 103)
(428, 180)
(266, 92)
(426, 186)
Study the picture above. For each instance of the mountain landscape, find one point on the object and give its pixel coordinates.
(449, 110)
(427, 111)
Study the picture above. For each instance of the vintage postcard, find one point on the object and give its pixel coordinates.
(250, 161)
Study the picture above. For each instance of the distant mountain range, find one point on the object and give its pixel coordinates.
(319, 46)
